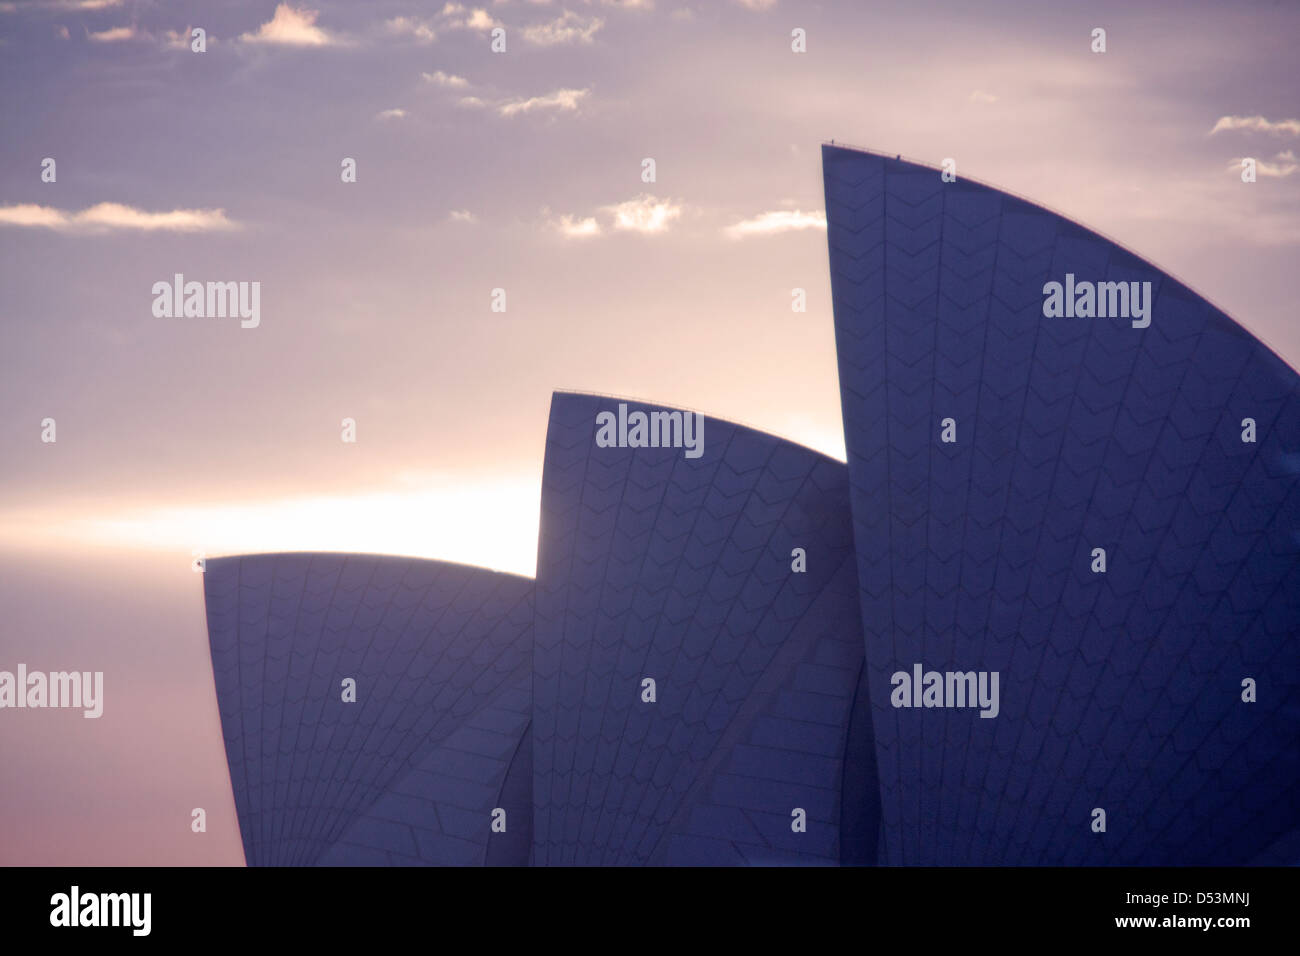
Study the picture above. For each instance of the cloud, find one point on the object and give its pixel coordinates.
(1257, 124)
(780, 220)
(446, 79)
(108, 216)
(396, 113)
(31, 215)
(572, 228)
(56, 6)
(563, 100)
(62, 32)
(456, 17)
(979, 96)
(462, 215)
(644, 214)
(1279, 170)
(419, 30)
(570, 27)
(291, 26)
(757, 4)
(113, 35)
(183, 39)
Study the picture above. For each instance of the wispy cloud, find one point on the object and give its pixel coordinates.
(562, 100)
(777, 220)
(644, 214)
(573, 228)
(291, 26)
(170, 39)
(108, 216)
(1285, 165)
(177, 39)
(757, 4)
(456, 16)
(570, 27)
(1257, 124)
(113, 35)
(419, 30)
(58, 6)
(979, 96)
(440, 78)
(462, 215)
(395, 113)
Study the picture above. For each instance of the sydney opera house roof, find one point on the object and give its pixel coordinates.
(410, 771)
(653, 565)
(1121, 689)
(1046, 614)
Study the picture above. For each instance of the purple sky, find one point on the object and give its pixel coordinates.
(476, 171)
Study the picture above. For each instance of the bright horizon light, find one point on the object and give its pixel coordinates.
(491, 524)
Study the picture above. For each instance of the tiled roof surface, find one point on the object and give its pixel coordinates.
(655, 565)
(1121, 690)
(411, 771)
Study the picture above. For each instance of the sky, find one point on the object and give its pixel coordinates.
(478, 170)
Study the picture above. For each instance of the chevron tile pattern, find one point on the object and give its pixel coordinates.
(654, 565)
(410, 773)
(1119, 690)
